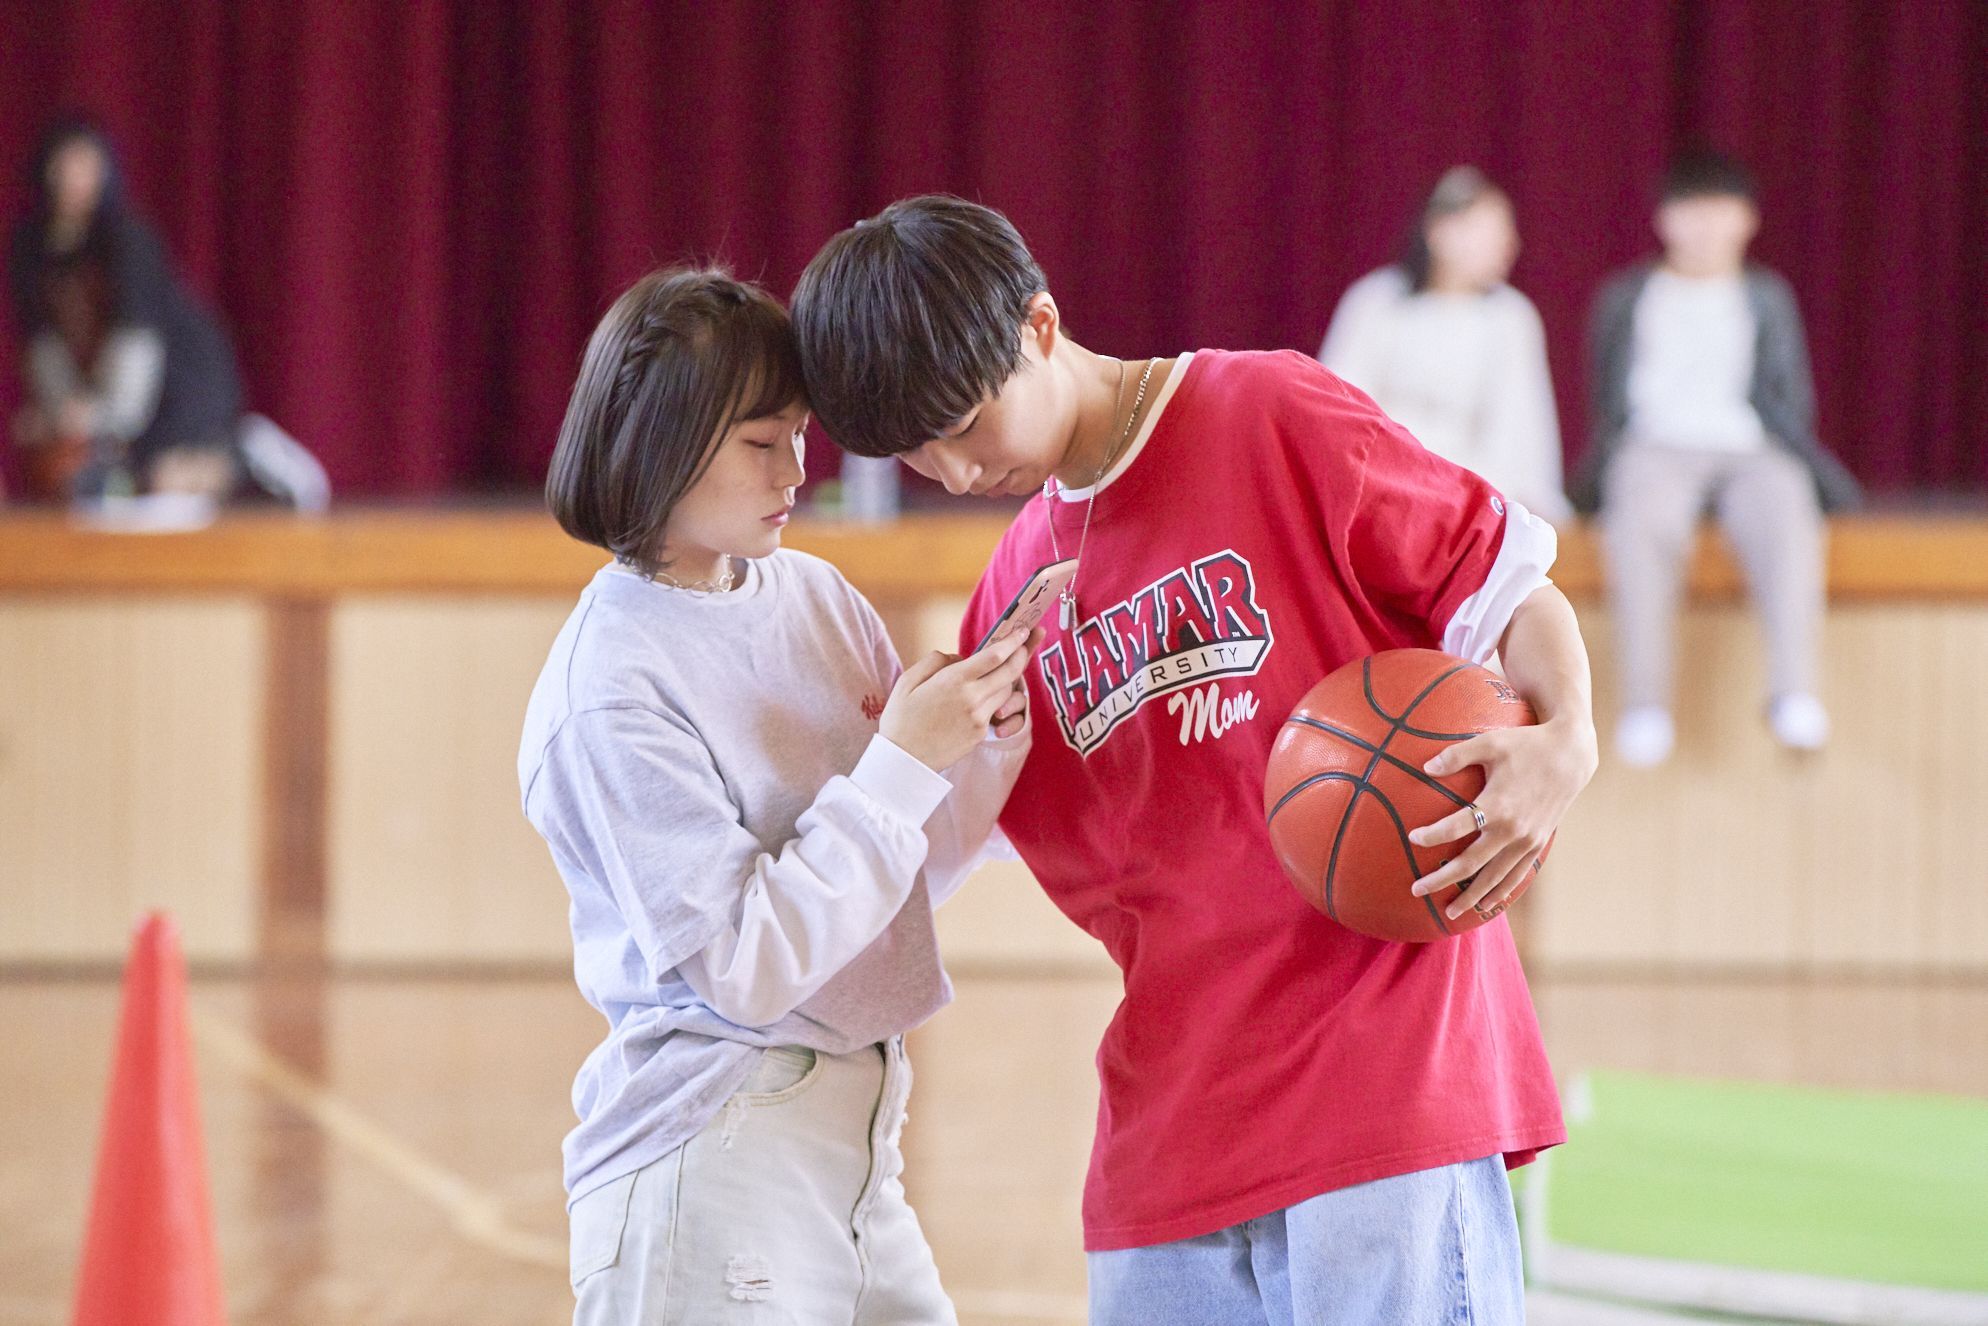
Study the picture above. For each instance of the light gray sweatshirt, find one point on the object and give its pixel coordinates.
(750, 862)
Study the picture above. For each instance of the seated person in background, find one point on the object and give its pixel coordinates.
(1702, 396)
(131, 385)
(1451, 352)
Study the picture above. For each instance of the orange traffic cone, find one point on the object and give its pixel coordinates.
(149, 1255)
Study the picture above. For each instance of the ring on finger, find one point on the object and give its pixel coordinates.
(1478, 815)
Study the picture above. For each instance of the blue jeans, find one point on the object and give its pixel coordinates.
(1430, 1248)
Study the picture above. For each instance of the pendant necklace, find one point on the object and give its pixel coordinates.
(1066, 602)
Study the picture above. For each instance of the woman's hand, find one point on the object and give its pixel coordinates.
(941, 707)
(1013, 716)
(1531, 777)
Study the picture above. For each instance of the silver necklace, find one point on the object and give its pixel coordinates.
(719, 584)
(1066, 602)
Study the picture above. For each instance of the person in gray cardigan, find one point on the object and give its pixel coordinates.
(1702, 397)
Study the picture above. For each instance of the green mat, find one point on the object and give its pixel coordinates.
(1820, 1205)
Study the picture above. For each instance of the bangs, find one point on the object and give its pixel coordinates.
(759, 355)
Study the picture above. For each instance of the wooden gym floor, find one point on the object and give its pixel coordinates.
(384, 1150)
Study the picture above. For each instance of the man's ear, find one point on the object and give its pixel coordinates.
(1042, 324)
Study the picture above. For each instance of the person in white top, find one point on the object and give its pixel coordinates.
(1702, 398)
(754, 811)
(1452, 352)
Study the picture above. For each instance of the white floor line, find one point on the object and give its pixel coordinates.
(1749, 1291)
(1545, 1307)
(475, 1214)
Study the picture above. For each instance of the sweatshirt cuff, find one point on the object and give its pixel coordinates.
(898, 781)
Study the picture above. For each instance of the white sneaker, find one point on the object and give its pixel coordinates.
(1644, 736)
(282, 466)
(1799, 721)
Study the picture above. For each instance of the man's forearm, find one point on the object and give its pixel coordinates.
(1547, 662)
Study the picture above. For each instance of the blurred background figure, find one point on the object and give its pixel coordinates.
(1702, 396)
(1453, 352)
(131, 385)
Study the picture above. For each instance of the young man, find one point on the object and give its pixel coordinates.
(1296, 1123)
(1702, 397)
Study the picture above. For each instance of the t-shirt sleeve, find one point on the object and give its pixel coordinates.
(1418, 536)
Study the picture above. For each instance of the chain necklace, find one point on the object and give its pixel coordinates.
(719, 584)
(1066, 602)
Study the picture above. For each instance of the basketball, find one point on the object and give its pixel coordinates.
(1345, 787)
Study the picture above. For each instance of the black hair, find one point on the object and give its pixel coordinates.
(65, 129)
(909, 320)
(1702, 173)
(108, 239)
(681, 357)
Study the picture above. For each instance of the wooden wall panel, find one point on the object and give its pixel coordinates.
(1738, 854)
(430, 857)
(130, 774)
(132, 727)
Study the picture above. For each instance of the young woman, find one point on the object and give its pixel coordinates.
(754, 812)
(1453, 352)
(131, 384)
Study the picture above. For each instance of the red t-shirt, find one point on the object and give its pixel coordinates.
(1274, 526)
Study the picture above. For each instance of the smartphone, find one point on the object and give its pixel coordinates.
(1032, 601)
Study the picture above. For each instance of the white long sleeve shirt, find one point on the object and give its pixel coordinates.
(1691, 365)
(125, 385)
(750, 863)
(1465, 374)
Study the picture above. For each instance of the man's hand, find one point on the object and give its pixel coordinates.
(1531, 777)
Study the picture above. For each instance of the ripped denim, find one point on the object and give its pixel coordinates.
(788, 1203)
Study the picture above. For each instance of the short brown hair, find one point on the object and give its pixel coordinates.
(910, 319)
(683, 355)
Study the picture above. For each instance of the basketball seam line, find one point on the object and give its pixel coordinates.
(1363, 784)
(1394, 760)
(1335, 776)
(1395, 727)
(1367, 685)
(1401, 830)
(1332, 862)
(1312, 780)
(1401, 724)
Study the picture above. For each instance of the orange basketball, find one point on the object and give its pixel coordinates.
(1345, 786)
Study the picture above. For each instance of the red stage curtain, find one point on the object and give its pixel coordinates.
(412, 212)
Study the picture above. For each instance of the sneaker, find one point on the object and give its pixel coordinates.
(1799, 721)
(282, 466)
(1644, 737)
